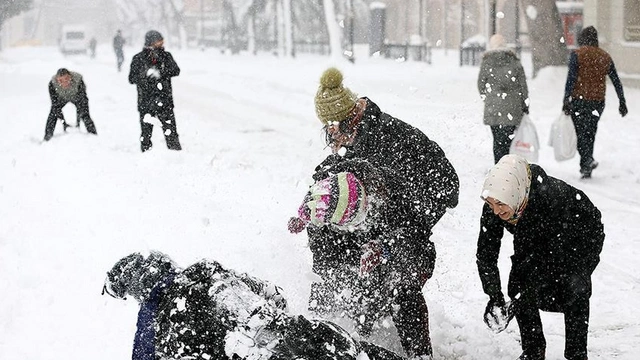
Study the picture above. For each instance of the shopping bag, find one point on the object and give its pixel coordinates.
(563, 138)
(525, 141)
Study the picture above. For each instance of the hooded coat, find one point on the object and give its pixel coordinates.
(559, 234)
(503, 85)
(154, 95)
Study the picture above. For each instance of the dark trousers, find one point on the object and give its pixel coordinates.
(501, 140)
(585, 115)
(168, 120)
(576, 320)
(412, 321)
(82, 114)
(120, 58)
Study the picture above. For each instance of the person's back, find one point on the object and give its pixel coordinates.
(594, 66)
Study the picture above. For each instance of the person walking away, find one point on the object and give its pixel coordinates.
(118, 45)
(92, 47)
(68, 87)
(557, 239)
(584, 94)
(502, 85)
(151, 72)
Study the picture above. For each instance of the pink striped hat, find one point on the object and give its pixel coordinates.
(339, 199)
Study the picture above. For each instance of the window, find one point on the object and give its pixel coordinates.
(632, 20)
(75, 35)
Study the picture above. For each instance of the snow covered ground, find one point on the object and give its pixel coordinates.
(73, 206)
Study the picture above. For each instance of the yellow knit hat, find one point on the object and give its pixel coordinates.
(333, 101)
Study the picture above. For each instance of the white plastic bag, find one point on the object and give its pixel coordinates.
(525, 141)
(563, 138)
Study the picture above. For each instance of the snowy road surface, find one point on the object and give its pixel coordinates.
(73, 206)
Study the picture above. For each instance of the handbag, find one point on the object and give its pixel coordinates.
(525, 141)
(563, 138)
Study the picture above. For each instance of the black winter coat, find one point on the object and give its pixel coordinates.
(154, 95)
(392, 219)
(560, 234)
(389, 142)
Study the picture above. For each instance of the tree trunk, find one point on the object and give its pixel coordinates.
(335, 40)
(548, 47)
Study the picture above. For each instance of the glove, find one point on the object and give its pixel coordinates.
(154, 73)
(498, 314)
(525, 108)
(373, 254)
(623, 108)
(296, 225)
(566, 107)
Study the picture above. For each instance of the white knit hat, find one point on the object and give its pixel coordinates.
(508, 181)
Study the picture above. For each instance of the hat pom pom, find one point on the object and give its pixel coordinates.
(331, 78)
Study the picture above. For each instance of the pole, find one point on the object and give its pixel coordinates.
(202, 23)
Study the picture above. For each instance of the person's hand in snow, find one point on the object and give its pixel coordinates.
(498, 314)
(154, 73)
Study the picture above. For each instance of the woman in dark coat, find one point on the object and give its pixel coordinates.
(584, 94)
(367, 240)
(503, 87)
(558, 236)
(209, 312)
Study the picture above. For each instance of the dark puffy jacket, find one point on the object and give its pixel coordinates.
(154, 95)
(559, 234)
(391, 143)
(392, 219)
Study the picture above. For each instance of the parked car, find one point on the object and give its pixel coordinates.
(73, 39)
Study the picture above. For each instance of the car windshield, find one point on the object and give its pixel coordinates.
(75, 35)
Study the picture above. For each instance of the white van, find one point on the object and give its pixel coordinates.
(73, 39)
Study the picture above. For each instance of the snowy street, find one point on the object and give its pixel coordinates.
(71, 207)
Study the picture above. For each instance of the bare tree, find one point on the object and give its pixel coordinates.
(9, 8)
(548, 47)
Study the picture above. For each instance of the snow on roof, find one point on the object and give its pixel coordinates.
(569, 6)
(377, 5)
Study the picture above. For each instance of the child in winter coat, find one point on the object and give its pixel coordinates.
(367, 242)
(209, 312)
(557, 240)
(68, 87)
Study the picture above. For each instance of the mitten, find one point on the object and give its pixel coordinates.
(623, 108)
(498, 314)
(566, 107)
(373, 254)
(296, 225)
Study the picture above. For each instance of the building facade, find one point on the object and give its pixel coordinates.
(618, 25)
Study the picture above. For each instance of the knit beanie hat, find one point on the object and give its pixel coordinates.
(508, 181)
(333, 100)
(588, 37)
(151, 37)
(340, 200)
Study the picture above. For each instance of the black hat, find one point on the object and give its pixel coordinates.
(151, 37)
(588, 37)
(136, 275)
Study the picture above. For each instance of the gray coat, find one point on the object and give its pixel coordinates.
(503, 86)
